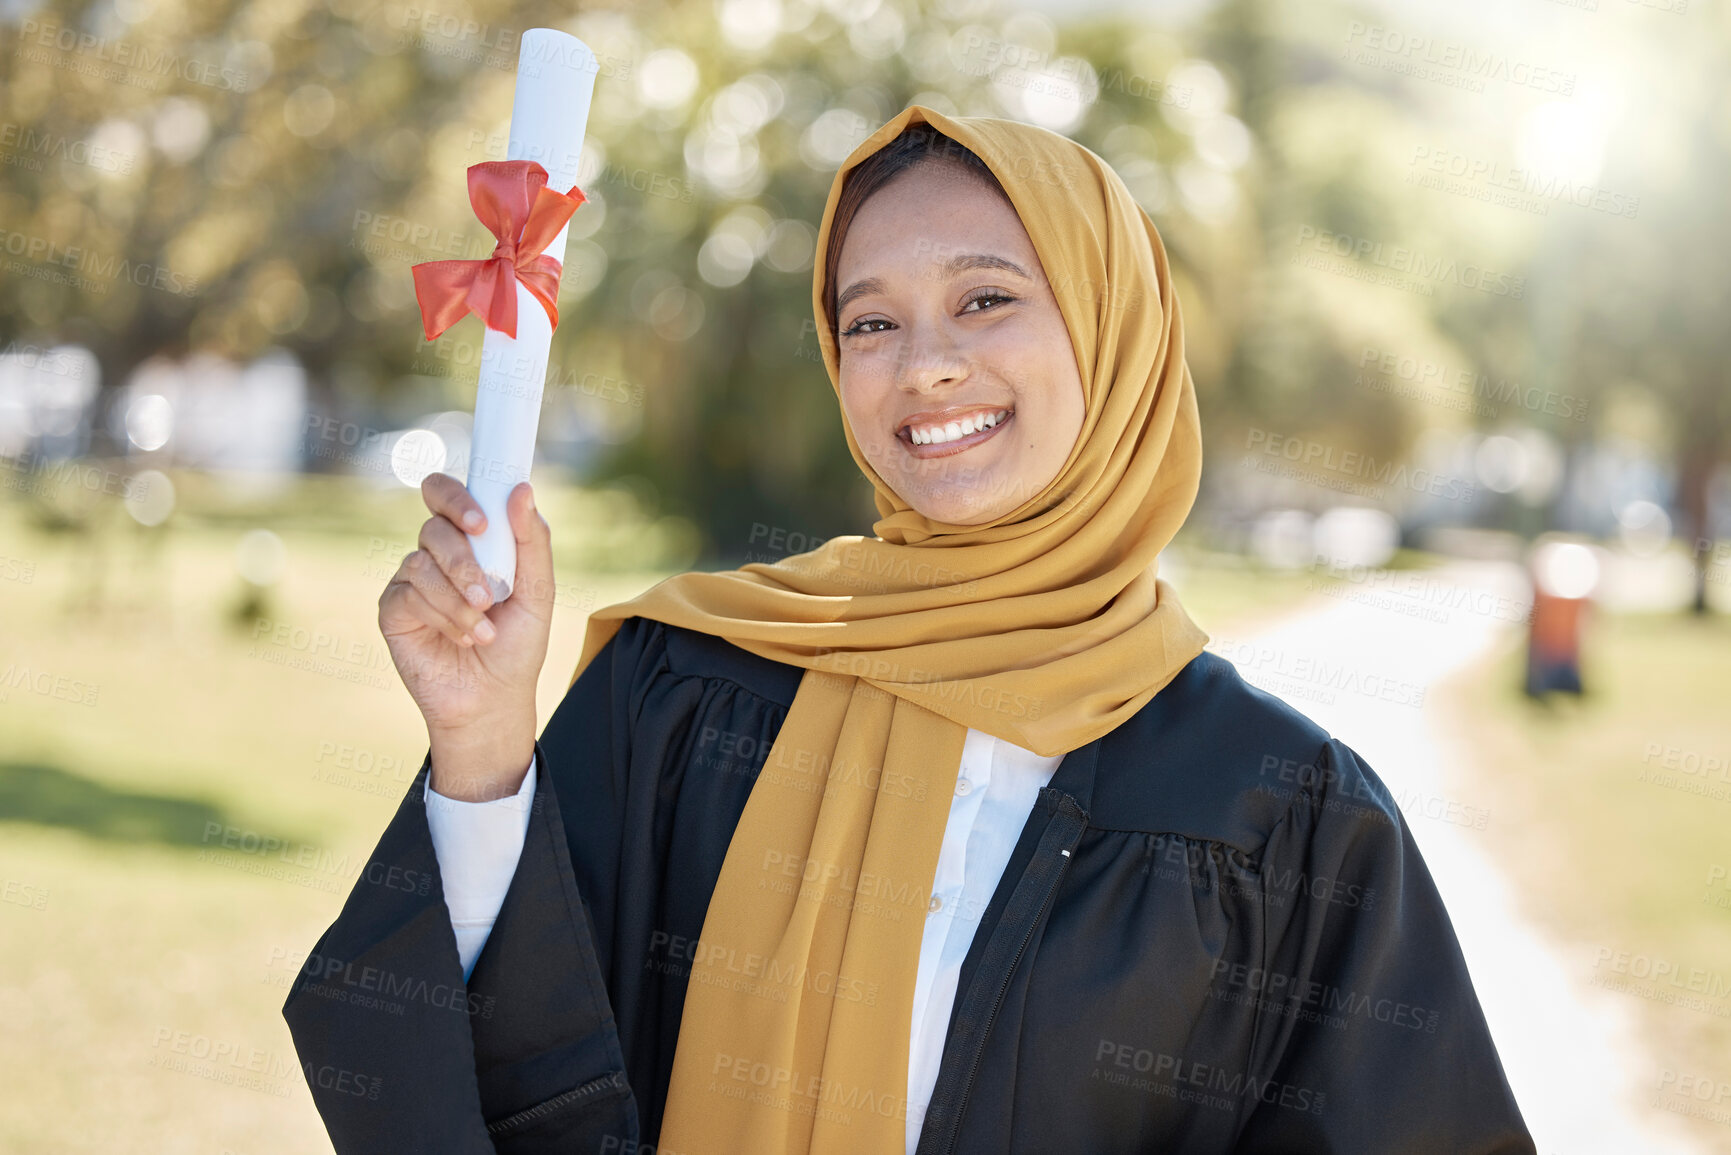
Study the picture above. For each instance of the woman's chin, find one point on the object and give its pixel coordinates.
(965, 508)
(970, 498)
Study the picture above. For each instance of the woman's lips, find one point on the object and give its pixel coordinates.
(949, 448)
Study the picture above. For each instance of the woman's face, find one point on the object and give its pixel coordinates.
(946, 322)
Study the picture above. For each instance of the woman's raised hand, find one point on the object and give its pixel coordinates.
(470, 665)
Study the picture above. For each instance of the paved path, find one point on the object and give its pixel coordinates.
(1571, 1051)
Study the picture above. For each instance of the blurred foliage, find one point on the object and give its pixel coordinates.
(269, 169)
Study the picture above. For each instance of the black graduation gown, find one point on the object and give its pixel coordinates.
(1214, 935)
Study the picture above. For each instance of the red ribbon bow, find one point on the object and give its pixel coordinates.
(512, 199)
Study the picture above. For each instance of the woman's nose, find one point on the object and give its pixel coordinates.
(931, 361)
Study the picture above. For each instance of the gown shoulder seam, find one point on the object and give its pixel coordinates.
(694, 654)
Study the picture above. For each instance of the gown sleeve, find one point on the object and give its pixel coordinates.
(401, 1054)
(1369, 1037)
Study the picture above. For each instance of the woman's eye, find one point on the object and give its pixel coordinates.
(989, 295)
(859, 326)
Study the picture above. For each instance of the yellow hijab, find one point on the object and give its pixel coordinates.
(1046, 628)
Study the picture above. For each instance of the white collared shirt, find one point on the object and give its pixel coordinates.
(478, 844)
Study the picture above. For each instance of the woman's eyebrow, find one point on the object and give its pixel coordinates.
(956, 264)
(858, 289)
(966, 261)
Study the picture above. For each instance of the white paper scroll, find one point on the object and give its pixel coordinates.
(555, 80)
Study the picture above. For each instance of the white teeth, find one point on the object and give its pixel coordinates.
(954, 430)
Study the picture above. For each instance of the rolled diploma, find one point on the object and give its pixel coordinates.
(555, 80)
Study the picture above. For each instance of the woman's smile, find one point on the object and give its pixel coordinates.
(943, 433)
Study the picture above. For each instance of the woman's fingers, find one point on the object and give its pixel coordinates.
(456, 558)
(459, 620)
(403, 608)
(446, 496)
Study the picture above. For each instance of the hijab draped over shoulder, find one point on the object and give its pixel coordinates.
(1046, 627)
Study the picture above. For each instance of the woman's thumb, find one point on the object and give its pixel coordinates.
(534, 581)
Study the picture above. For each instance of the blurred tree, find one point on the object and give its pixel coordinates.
(234, 174)
(1650, 299)
(236, 143)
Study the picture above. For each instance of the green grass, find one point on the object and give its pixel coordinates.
(1611, 860)
(146, 927)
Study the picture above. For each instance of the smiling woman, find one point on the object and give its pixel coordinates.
(958, 378)
(947, 839)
